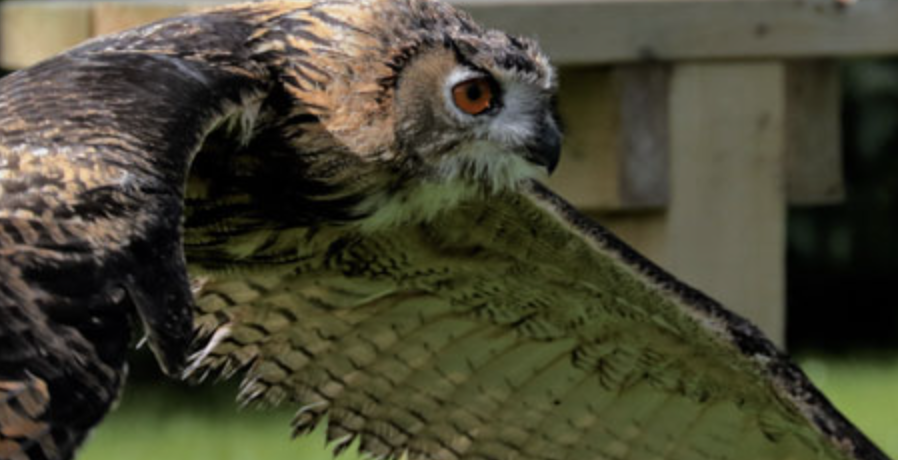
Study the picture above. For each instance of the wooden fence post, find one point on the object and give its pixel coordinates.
(725, 225)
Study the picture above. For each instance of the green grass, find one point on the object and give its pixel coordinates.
(199, 424)
(865, 390)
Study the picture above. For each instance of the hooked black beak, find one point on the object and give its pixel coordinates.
(545, 151)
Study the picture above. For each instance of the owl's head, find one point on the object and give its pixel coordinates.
(478, 106)
(421, 101)
(421, 86)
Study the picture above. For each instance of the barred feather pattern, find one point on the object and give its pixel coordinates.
(23, 405)
(54, 382)
(89, 227)
(471, 339)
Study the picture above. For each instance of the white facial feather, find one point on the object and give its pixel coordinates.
(486, 163)
(518, 119)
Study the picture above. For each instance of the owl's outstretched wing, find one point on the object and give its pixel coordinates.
(512, 328)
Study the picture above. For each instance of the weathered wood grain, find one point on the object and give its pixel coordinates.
(612, 31)
(814, 133)
(616, 126)
(725, 226)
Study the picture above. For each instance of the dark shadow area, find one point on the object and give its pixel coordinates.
(843, 259)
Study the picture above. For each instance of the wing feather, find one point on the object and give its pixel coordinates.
(515, 328)
(95, 145)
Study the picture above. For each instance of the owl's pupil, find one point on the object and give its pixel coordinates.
(474, 93)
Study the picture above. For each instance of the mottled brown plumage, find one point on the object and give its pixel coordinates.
(364, 245)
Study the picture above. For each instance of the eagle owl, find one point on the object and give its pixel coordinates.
(352, 187)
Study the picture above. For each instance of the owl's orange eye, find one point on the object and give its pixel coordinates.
(474, 96)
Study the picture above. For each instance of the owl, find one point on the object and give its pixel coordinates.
(340, 201)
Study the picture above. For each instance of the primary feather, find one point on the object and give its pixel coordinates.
(364, 246)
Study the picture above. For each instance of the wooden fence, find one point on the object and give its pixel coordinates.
(692, 124)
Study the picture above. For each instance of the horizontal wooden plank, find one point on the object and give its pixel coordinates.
(606, 31)
(611, 31)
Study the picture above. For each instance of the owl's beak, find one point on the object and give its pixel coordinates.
(545, 150)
